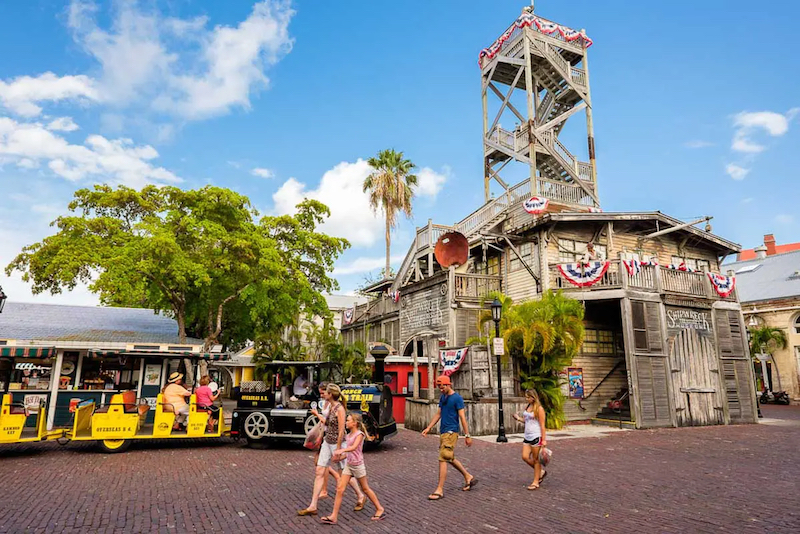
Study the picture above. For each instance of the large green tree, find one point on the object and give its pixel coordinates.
(390, 187)
(204, 256)
(541, 336)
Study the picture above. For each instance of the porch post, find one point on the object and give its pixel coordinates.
(55, 375)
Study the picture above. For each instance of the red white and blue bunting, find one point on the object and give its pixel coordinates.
(681, 267)
(634, 267)
(394, 295)
(536, 205)
(544, 26)
(451, 360)
(592, 209)
(723, 285)
(348, 315)
(583, 274)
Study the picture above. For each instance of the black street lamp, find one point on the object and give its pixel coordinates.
(3, 298)
(497, 312)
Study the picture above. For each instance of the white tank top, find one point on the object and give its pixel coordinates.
(532, 428)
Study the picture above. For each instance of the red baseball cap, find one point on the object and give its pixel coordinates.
(443, 380)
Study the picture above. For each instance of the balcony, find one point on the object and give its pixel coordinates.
(475, 287)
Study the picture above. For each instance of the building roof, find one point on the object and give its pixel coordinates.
(750, 253)
(54, 322)
(773, 277)
(342, 302)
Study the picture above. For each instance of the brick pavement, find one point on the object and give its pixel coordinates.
(713, 479)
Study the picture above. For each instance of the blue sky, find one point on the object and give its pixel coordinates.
(695, 108)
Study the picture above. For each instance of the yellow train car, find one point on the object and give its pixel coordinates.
(13, 428)
(115, 425)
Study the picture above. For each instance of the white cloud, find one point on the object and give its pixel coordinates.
(784, 218)
(341, 189)
(178, 65)
(116, 161)
(736, 172)
(747, 200)
(430, 182)
(365, 265)
(698, 143)
(23, 94)
(62, 124)
(263, 173)
(748, 123)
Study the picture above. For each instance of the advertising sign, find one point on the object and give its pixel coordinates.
(575, 376)
(152, 375)
(451, 360)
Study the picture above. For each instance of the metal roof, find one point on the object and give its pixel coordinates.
(773, 277)
(342, 302)
(28, 321)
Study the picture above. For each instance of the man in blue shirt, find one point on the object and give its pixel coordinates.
(450, 413)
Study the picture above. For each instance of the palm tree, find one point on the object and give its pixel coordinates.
(390, 187)
(767, 339)
(542, 336)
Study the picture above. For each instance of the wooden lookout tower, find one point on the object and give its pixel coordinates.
(543, 67)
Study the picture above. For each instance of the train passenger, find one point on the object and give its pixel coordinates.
(205, 400)
(175, 395)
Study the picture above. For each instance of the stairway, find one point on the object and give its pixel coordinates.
(616, 417)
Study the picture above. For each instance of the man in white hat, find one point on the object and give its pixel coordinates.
(175, 394)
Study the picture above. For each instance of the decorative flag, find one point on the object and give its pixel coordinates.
(592, 209)
(723, 285)
(451, 360)
(544, 26)
(536, 205)
(394, 295)
(584, 275)
(632, 266)
(349, 314)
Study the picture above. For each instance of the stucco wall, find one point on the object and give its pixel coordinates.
(786, 359)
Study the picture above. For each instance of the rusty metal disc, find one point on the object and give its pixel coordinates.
(452, 249)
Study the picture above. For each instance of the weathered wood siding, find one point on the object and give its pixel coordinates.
(426, 309)
(466, 325)
(737, 369)
(595, 368)
(482, 417)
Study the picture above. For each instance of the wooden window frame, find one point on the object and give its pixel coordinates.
(642, 330)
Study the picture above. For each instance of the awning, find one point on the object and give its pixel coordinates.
(28, 352)
(210, 356)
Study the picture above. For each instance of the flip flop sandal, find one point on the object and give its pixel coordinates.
(377, 517)
(306, 511)
(438, 497)
(327, 521)
(533, 487)
(323, 496)
(360, 505)
(544, 474)
(470, 484)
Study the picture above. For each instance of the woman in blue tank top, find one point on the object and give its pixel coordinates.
(534, 439)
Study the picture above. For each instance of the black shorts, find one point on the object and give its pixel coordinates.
(533, 442)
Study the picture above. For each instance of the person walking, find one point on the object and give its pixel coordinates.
(334, 435)
(323, 413)
(534, 438)
(450, 413)
(354, 468)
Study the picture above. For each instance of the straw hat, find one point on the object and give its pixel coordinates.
(174, 377)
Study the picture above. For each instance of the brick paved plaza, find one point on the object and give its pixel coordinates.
(712, 479)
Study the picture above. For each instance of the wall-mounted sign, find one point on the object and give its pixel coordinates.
(688, 319)
(575, 376)
(498, 347)
(152, 375)
(451, 360)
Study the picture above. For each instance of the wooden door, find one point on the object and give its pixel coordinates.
(695, 376)
(737, 369)
(648, 364)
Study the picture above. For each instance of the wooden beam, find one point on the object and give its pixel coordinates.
(561, 118)
(505, 100)
(511, 60)
(510, 106)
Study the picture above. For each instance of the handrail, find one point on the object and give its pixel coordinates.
(599, 384)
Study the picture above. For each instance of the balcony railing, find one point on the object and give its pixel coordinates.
(612, 279)
(474, 287)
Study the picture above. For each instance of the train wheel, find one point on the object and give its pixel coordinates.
(311, 422)
(114, 445)
(256, 426)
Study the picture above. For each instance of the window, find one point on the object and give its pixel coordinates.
(490, 267)
(598, 342)
(797, 325)
(526, 251)
(639, 326)
(692, 263)
(570, 251)
(748, 268)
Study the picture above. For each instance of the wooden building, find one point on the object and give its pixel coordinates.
(664, 337)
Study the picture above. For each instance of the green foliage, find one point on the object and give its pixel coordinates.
(767, 339)
(391, 188)
(204, 256)
(352, 359)
(541, 336)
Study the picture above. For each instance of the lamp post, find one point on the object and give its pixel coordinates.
(3, 298)
(497, 312)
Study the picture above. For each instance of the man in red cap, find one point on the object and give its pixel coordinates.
(450, 413)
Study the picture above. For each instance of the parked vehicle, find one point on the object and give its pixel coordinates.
(775, 397)
(14, 427)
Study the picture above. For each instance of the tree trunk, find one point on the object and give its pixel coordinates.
(387, 272)
(180, 316)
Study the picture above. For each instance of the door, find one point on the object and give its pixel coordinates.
(737, 368)
(695, 377)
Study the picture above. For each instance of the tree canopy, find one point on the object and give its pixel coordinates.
(204, 256)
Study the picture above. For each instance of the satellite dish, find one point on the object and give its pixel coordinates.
(452, 249)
